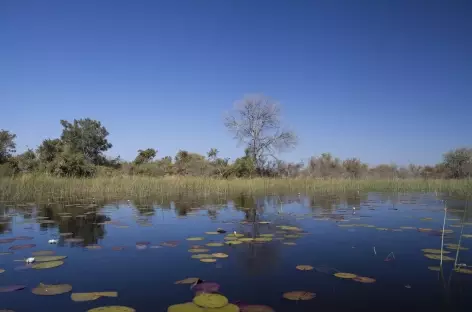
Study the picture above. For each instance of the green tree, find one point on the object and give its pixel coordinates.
(459, 162)
(7, 145)
(26, 162)
(145, 156)
(354, 168)
(256, 124)
(49, 150)
(87, 137)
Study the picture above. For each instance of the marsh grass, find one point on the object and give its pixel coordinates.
(42, 187)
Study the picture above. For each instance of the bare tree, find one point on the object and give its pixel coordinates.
(256, 123)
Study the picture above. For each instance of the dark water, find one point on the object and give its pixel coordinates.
(254, 273)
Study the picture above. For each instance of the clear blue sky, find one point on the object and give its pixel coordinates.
(385, 81)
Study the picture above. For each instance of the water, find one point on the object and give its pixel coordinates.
(253, 273)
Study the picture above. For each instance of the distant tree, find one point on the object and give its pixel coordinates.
(325, 166)
(243, 166)
(87, 137)
(145, 156)
(49, 150)
(256, 124)
(7, 145)
(354, 168)
(212, 154)
(459, 163)
(71, 163)
(26, 162)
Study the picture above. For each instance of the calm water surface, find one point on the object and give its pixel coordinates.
(334, 237)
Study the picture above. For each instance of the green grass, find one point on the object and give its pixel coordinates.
(46, 188)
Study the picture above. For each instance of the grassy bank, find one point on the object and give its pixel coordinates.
(28, 188)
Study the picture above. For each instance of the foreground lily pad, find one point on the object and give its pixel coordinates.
(79, 297)
(255, 308)
(11, 288)
(235, 242)
(198, 250)
(215, 244)
(237, 235)
(47, 265)
(467, 235)
(246, 239)
(464, 270)
(51, 290)
(304, 267)
(345, 275)
(220, 255)
(48, 258)
(299, 295)
(208, 260)
(438, 257)
(455, 246)
(212, 233)
(188, 280)
(230, 238)
(43, 253)
(363, 279)
(73, 240)
(202, 256)
(435, 251)
(210, 300)
(192, 307)
(112, 309)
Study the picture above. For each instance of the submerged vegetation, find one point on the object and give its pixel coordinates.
(75, 164)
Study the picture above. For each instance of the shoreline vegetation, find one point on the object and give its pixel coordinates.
(48, 188)
(75, 164)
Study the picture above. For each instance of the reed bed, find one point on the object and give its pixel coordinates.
(41, 187)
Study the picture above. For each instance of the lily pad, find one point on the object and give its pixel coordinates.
(289, 228)
(215, 244)
(18, 247)
(192, 307)
(424, 230)
(11, 288)
(198, 250)
(345, 275)
(299, 295)
(5, 253)
(51, 290)
(230, 238)
(170, 243)
(246, 239)
(467, 235)
(382, 229)
(112, 309)
(47, 265)
(206, 287)
(188, 280)
(363, 279)
(255, 308)
(212, 233)
(292, 236)
(195, 238)
(220, 255)
(434, 268)
(79, 297)
(66, 234)
(438, 257)
(210, 300)
(117, 248)
(304, 267)
(43, 253)
(407, 227)
(435, 251)
(449, 232)
(208, 260)
(464, 271)
(455, 246)
(235, 235)
(48, 258)
(235, 242)
(23, 238)
(201, 256)
(74, 240)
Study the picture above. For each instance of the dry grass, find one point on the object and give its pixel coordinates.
(26, 188)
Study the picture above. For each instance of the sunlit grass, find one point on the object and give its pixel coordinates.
(42, 187)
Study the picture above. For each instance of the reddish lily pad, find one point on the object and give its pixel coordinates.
(206, 287)
(11, 288)
(25, 246)
(7, 240)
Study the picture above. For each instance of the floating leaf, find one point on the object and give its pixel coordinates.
(51, 290)
(381, 229)
(464, 271)
(426, 219)
(263, 239)
(434, 268)
(304, 267)
(212, 233)
(408, 227)
(255, 308)
(210, 300)
(455, 246)
(289, 243)
(467, 235)
(201, 256)
(235, 235)
(117, 248)
(66, 234)
(424, 230)
(192, 307)
(23, 238)
(220, 255)
(49, 258)
(11, 288)
(264, 222)
(188, 280)
(215, 244)
(455, 225)
(434, 251)
(43, 253)
(289, 228)
(195, 238)
(198, 250)
(112, 309)
(235, 242)
(266, 235)
(206, 287)
(208, 260)
(363, 279)
(246, 239)
(74, 240)
(170, 244)
(196, 246)
(345, 275)
(438, 257)
(448, 232)
(299, 295)
(93, 247)
(79, 297)
(4, 253)
(47, 265)
(18, 247)
(230, 238)
(292, 236)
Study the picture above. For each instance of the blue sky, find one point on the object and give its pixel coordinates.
(385, 81)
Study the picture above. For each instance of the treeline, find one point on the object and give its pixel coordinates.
(79, 152)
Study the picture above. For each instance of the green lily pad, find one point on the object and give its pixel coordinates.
(299, 295)
(47, 265)
(212, 233)
(215, 244)
(289, 243)
(188, 280)
(235, 242)
(220, 255)
(208, 260)
(246, 239)
(80, 297)
(434, 268)
(435, 251)
(230, 238)
(192, 307)
(201, 256)
(438, 257)
(51, 290)
(198, 250)
(43, 253)
(263, 239)
(266, 235)
(235, 235)
(195, 238)
(210, 300)
(49, 258)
